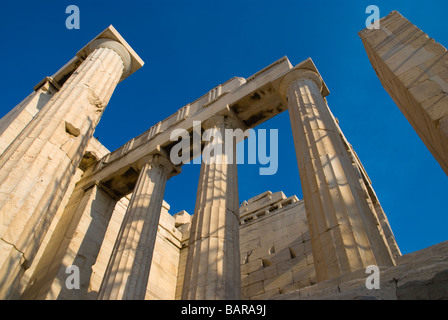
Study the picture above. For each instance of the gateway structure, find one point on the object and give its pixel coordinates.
(65, 200)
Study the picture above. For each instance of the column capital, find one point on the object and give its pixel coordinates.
(158, 160)
(117, 47)
(111, 38)
(300, 74)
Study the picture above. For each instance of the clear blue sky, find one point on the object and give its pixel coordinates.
(191, 46)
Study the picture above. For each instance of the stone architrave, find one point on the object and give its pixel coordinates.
(213, 261)
(36, 169)
(128, 270)
(346, 234)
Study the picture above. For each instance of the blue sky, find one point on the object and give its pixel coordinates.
(189, 47)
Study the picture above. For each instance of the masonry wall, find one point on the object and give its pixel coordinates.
(162, 279)
(99, 268)
(421, 275)
(84, 232)
(185, 229)
(275, 249)
(37, 281)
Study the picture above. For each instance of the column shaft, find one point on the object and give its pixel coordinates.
(345, 231)
(213, 261)
(36, 169)
(76, 241)
(130, 263)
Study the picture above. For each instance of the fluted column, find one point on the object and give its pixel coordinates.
(213, 261)
(36, 169)
(128, 270)
(346, 234)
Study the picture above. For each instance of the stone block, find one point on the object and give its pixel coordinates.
(266, 295)
(281, 256)
(182, 217)
(262, 274)
(298, 263)
(436, 107)
(426, 90)
(251, 266)
(303, 272)
(252, 290)
(278, 282)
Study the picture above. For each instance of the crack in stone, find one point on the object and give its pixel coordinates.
(12, 245)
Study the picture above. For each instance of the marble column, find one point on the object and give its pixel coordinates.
(346, 234)
(213, 261)
(128, 270)
(76, 241)
(36, 169)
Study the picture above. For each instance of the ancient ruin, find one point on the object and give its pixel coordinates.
(65, 200)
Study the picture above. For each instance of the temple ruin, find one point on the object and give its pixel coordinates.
(66, 200)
